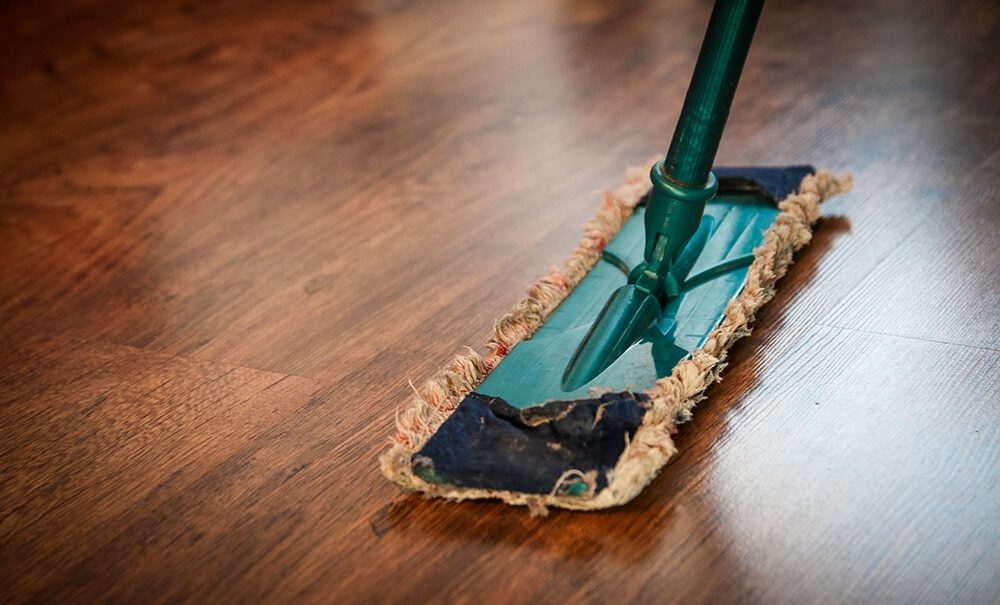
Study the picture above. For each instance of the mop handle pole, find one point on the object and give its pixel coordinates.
(710, 95)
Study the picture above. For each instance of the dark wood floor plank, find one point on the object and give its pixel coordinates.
(83, 461)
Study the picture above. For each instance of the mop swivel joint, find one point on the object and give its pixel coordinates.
(673, 216)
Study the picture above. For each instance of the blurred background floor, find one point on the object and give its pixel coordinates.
(233, 231)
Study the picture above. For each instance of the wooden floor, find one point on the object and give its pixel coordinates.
(233, 232)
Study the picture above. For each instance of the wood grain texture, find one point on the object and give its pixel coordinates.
(233, 231)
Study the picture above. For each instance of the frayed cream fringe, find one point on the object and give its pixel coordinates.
(672, 397)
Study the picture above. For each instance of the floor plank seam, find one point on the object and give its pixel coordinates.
(908, 337)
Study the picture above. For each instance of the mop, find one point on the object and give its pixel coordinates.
(584, 381)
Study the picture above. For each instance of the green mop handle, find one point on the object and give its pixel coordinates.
(683, 181)
(710, 95)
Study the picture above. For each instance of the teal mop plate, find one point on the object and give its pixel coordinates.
(532, 372)
(521, 431)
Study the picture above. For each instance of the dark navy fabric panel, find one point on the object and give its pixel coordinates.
(487, 443)
(776, 183)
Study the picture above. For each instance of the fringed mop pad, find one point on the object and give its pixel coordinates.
(621, 465)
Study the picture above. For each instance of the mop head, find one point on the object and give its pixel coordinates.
(599, 452)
